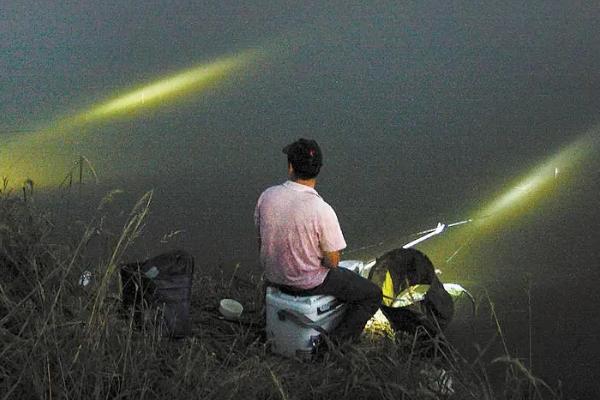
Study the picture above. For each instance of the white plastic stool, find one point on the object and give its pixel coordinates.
(294, 323)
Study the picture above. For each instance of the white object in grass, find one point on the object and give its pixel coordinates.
(152, 273)
(85, 279)
(230, 309)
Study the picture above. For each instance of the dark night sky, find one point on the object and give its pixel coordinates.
(423, 109)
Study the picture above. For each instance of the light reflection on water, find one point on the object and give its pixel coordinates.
(553, 246)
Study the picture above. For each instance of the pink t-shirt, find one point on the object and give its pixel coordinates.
(295, 226)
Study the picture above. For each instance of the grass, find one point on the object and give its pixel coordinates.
(59, 340)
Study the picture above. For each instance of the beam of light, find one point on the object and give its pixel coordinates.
(533, 186)
(546, 179)
(191, 80)
(46, 155)
(525, 192)
(522, 195)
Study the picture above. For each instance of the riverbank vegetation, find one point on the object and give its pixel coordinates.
(63, 339)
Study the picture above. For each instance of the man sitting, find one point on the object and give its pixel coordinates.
(300, 240)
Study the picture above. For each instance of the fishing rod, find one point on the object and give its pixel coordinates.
(452, 288)
(466, 221)
(423, 235)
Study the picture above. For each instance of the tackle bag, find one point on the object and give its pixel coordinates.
(162, 285)
(413, 296)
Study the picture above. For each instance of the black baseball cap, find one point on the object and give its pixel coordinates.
(305, 156)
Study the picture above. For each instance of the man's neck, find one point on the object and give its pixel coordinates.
(306, 182)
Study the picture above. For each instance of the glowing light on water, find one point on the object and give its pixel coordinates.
(527, 192)
(522, 195)
(184, 82)
(533, 186)
(45, 156)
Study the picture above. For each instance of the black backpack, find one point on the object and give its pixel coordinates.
(401, 268)
(163, 285)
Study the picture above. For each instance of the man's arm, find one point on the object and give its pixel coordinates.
(331, 259)
(330, 236)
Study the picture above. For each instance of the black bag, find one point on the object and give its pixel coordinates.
(405, 268)
(163, 284)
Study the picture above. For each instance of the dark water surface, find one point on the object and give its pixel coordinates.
(425, 111)
(540, 271)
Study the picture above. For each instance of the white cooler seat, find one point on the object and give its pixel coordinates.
(294, 323)
(289, 321)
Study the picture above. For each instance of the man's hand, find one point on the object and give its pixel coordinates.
(330, 259)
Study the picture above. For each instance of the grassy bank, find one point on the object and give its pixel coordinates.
(60, 340)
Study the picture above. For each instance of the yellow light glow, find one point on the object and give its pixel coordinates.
(46, 156)
(552, 175)
(193, 79)
(379, 325)
(533, 186)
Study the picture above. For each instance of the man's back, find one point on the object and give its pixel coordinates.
(296, 225)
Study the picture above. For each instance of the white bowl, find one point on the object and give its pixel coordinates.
(230, 308)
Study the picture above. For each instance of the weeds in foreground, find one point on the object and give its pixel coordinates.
(79, 167)
(59, 339)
